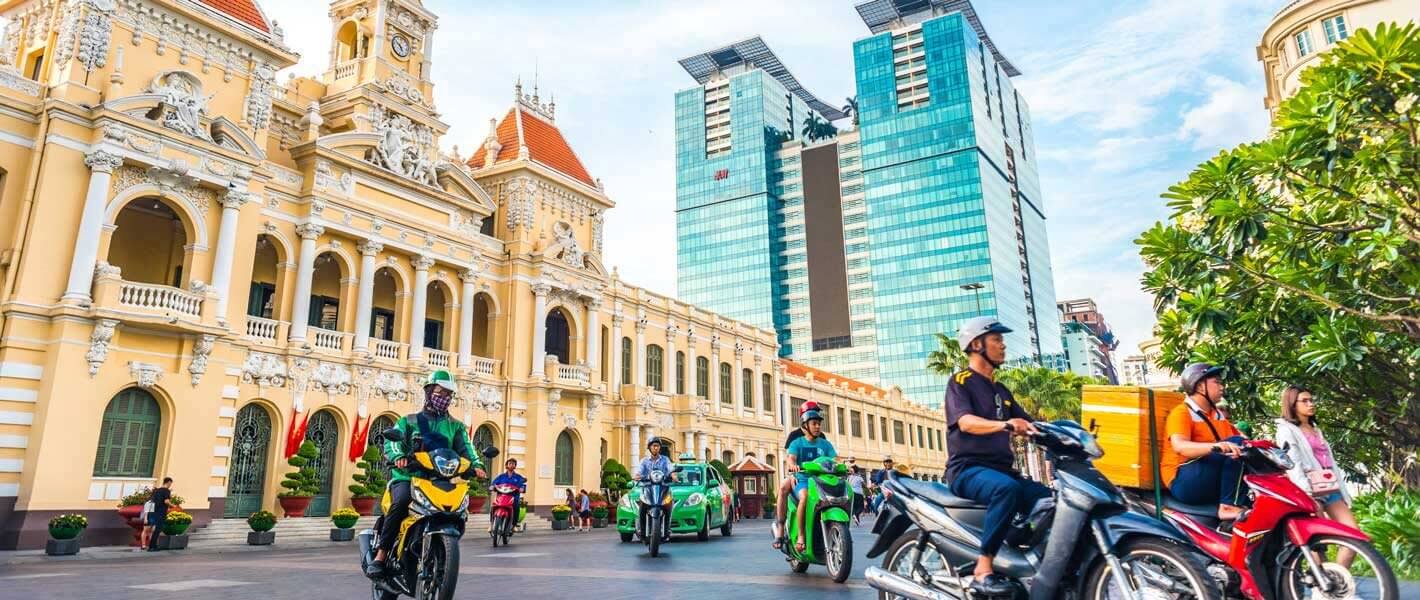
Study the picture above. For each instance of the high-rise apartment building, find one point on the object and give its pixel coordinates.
(858, 247)
(1088, 341)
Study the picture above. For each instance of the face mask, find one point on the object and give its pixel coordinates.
(437, 405)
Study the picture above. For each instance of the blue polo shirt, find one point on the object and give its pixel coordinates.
(971, 393)
(805, 451)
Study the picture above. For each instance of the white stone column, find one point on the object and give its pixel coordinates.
(714, 374)
(232, 203)
(704, 445)
(638, 353)
(305, 270)
(366, 297)
(719, 449)
(466, 318)
(86, 241)
(615, 341)
(737, 383)
(668, 365)
(635, 445)
(594, 334)
(781, 401)
(689, 442)
(421, 265)
(692, 373)
(539, 354)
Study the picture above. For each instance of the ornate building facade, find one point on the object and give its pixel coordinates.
(201, 267)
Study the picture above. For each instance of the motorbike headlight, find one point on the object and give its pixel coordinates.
(448, 467)
(421, 503)
(667, 499)
(1093, 448)
(695, 499)
(657, 476)
(463, 505)
(1280, 458)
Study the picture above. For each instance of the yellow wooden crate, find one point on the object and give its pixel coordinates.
(1119, 415)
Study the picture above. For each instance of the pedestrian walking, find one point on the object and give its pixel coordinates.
(584, 509)
(162, 500)
(1314, 469)
(855, 482)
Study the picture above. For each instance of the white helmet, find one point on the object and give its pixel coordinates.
(976, 327)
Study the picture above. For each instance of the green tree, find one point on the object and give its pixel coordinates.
(851, 108)
(371, 480)
(304, 482)
(615, 477)
(948, 358)
(815, 128)
(1297, 259)
(722, 468)
(1045, 393)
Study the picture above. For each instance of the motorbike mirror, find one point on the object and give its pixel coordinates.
(392, 435)
(490, 452)
(1094, 427)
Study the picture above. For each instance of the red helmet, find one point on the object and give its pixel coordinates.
(808, 406)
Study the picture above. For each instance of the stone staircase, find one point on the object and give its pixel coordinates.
(316, 530)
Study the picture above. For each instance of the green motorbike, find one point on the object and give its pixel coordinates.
(827, 539)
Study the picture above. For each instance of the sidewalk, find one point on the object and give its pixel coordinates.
(17, 557)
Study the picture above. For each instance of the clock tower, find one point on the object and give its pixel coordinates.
(381, 41)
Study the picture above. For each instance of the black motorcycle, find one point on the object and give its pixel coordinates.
(1082, 543)
(654, 504)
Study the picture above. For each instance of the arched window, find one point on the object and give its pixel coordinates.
(558, 337)
(484, 437)
(680, 373)
(727, 457)
(562, 475)
(625, 361)
(747, 388)
(702, 377)
(767, 393)
(654, 364)
(128, 438)
(727, 391)
(770, 460)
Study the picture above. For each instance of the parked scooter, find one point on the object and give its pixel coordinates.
(1284, 546)
(827, 539)
(1082, 543)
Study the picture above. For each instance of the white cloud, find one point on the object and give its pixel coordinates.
(1232, 114)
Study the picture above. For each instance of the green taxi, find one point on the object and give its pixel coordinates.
(701, 501)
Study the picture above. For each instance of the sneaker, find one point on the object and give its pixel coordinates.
(375, 569)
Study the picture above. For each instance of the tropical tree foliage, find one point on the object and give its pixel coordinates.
(816, 128)
(1045, 393)
(851, 108)
(948, 358)
(1297, 259)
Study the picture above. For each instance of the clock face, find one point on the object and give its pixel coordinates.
(400, 45)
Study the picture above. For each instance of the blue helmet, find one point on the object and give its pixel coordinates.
(810, 415)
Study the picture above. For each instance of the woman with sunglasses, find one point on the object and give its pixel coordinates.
(1314, 469)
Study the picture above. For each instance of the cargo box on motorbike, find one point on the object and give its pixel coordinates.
(1120, 415)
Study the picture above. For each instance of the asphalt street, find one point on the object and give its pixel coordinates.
(594, 564)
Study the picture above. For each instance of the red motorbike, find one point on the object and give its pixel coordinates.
(1284, 546)
(505, 513)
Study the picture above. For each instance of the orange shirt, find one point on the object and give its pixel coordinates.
(1191, 425)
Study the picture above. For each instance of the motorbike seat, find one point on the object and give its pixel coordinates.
(937, 493)
(1207, 513)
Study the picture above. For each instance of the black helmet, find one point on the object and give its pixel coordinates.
(665, 443)
(1195, 373)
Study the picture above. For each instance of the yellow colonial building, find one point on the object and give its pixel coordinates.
(197, 261)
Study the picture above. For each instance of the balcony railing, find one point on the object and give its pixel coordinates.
(437, 358)
(261, 329)
(326, 339)
(346, 69)
(486, 366)
(147, 296)
(576, 374)
(386, 349)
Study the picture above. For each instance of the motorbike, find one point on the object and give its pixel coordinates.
(1080, 543)
(1284, 546)
(505, 515)
(425, 560)
(653, 524)
(827, 539)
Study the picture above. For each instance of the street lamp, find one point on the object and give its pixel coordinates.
(975, 288)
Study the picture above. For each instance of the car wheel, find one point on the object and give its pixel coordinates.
(728, 526)
(626, 537)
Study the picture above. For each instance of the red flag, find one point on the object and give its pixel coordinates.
(358, 438)
(297, 433)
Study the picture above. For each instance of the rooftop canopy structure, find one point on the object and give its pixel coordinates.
(886, 15)
(754, 53)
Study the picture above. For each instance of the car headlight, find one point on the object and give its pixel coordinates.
(448, 467)
(625, 501)
(695, 499)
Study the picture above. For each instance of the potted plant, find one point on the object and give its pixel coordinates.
(261, 523)
(130, 510)
(344, 520)
(560, 513)
(302, 484)
(769, 503)
(369, 484)
(599, 513)
(175, 531)
(64, 533)
(477, 495)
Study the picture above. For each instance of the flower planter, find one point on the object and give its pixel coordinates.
(65, 533)
(175, 528)
(476, 503)
(294, 506)
(62, 547)
(559, 525)
(364, 506)
(341, 535)
(261, 538)
(172, 542)
(129, 515)
(598, 523)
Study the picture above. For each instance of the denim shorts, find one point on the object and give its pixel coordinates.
(1332, 497)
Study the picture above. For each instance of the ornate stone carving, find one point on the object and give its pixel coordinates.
(235, 198)
(554, 400)
(466, 224)
(100, 161)
(94, 32)
(12, 80)
(594, 405)
(183, 102)
(598, 225)
(405, 147)
(98, 344)
(370, 248)
(402, 88)
(702, 409)
(145, 374)
(566, 238)
(201, 351)
(646, 399)
(569, 421)
(264, 370)
(518, 194)
(391, 385)
(309, 231)
(258, 102)
(422, 262)
(10, 46)
(331, 378)
(488, 398)
(329, 178)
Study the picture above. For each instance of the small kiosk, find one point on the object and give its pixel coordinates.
(752, 481)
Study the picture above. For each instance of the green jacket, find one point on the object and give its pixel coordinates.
(449, 427)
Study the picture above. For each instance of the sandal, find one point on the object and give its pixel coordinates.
(777, 530)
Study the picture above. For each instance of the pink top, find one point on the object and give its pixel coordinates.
(1319, 448)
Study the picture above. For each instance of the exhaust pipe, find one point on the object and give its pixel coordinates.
(898, 585)
(366, 538)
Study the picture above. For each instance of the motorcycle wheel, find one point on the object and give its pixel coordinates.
(838, 551)
(378, 594)
(1183, 569)
(798, 566)
(1293, 587)
(655, 542)
(441, 565)
(497, 529)
(704, 533)
(903, 554)
(505, 539)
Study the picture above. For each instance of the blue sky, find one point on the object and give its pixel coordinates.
(1126, 98)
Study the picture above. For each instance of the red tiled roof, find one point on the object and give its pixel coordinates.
(544, 141)
(241, 10)
(800, 370)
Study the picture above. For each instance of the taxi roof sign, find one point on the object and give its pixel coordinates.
(686, 457)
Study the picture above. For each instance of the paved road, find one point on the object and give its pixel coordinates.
(592, 565)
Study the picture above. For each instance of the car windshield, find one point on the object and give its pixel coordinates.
(690, 476)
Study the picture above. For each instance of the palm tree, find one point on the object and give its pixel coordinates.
(811, 127)
(1045, 393)
(948, 358)
(852, 108)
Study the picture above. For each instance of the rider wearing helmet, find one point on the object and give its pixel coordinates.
(1201, 446)
(811, 447)
(982, 415)
(786, 486)
(655, 461)
(435, 429)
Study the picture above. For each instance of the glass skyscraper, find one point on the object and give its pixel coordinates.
(857, 249)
